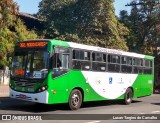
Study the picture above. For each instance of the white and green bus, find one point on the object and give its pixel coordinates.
(54, 71)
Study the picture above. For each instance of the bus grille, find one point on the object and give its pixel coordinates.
(24, 84)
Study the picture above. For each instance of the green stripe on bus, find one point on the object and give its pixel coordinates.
(59, 43)
(149, 57)
(56, 43)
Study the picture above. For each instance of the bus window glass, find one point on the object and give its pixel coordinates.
(115, 59)
(147, 63)
(147, 67)
(65, 61)
(150, 63)
(109, 58)
(124, 60)
(138, 62)
(113, 63)
(93, 57)
(104, 57)
(81, 55)
(76, 65)
(97, 56)
(78, 54)
(61, 62)
(129, 60)
(30, 64)
(86, 55)
(98, 66)
(114, 68)
(82, 62)
(85, 65)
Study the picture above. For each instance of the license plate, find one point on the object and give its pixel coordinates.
(22, 96)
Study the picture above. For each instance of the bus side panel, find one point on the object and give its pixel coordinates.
(60, 88)
(78, 80)
(143, 86)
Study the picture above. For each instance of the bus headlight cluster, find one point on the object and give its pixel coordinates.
(43, 88)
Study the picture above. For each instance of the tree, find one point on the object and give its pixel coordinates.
(132, 37)
(143, 23)
(12, 30)
(83, 21)
(145, 15)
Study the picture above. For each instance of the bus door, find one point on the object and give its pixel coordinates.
(60, 60)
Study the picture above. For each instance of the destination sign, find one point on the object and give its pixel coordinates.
(32, 44)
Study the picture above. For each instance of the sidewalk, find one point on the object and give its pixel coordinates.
(4, 90)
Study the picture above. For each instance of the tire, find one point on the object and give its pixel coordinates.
(128, 96)
(75, 99)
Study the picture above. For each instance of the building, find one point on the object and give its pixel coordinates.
(31, 21)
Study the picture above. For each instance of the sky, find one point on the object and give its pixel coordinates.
(31, 6)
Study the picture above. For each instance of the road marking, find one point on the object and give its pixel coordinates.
(93, 122)
(155, 111)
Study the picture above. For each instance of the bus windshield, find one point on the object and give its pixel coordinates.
(30, 64)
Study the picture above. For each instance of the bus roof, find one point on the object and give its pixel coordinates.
(94, 48)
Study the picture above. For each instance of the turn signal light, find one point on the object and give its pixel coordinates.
(54, 91)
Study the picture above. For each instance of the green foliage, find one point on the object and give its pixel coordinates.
(142, 25)
(22, 33)
(83, 21)
(12, 30)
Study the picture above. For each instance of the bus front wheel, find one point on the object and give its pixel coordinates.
(128, 96)
(75, 99)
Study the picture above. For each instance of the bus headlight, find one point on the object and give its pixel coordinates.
(43, 88)
(10, 85)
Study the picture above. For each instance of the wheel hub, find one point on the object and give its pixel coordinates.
(75, 99)
(129, 97)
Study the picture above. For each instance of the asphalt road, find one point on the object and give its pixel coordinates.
(91, 112)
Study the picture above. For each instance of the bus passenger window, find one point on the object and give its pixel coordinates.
(104, 57)
(86, 55)
(129, 60)
(76, 65)
(109, 58)
(147, 67)
(93, 56)
(78, 54)
(124, 60)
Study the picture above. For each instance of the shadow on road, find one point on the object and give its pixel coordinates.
(9, 104)
(105, 103)
(156, 104)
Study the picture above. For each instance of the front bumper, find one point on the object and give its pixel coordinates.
(41, 97)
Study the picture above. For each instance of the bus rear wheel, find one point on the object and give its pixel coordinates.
(128, 96)
(75, 99)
